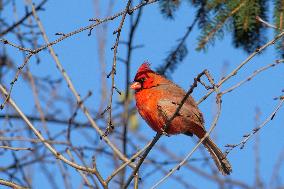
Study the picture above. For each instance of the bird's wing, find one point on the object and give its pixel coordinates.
(176, 92)
(189, 113)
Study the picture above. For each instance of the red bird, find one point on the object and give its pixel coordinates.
(157, 98)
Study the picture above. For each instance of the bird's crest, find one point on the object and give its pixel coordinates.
(143, 71)
(145, 67)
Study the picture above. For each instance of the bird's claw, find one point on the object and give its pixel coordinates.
(165, 133)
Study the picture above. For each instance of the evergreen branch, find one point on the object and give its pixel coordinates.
(278, 13)
(279, 22)
(208, 36)
(179, 53)
(248, 32)
(168, 7)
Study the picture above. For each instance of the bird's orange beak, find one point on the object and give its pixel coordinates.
(135, 86)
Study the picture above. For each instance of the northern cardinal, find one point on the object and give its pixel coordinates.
(157, 98)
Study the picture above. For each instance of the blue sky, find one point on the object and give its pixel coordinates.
(78, 55)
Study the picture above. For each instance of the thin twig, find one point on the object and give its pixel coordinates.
(267, 24)
(113, 69)
(246, 137)
(49, 44)
(235, 71)
(255, 73)
(125, 164)
(85, 179)
(40, 137)
(6, 42)
(127, 98)
(11, 184)
(38, 7)
(15, 148)
(76, 94)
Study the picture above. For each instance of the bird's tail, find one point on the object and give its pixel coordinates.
(219, 158)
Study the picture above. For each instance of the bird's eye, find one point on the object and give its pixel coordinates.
(142, 80)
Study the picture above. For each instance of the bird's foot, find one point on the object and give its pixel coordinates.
(165, 133)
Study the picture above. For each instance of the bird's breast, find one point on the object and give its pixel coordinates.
(147, 102)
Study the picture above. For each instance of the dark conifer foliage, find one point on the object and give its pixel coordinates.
(168, 7)
(249, 33)
(278, 22)
(216, 18)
